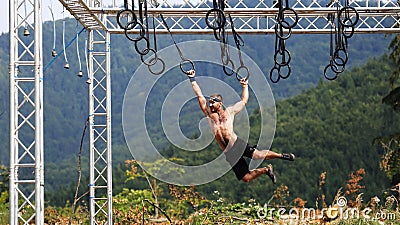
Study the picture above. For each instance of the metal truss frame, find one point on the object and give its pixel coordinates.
(100, 187)
(99, 19)
(26, 113)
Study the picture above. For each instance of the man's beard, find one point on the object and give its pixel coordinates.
(212, 109)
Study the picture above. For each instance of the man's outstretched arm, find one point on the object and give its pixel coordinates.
(236, 108)
(196, 88)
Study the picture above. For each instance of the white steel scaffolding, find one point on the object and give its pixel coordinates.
(99, 19)
(26, 113)
(100, 187)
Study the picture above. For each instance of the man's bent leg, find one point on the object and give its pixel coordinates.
(265, 154)
(268, 154)
(253, 174)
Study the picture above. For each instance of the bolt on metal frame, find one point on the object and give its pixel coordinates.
(26, 113)
(99, 18)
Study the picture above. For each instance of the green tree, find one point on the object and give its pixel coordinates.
(391, 143)
(4, 206)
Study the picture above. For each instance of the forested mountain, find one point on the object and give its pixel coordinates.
(319, 123)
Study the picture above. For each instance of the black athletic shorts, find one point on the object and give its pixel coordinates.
(236, 160)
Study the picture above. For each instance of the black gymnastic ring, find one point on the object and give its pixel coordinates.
(152, 61)
(237, 73)
(232, 68)
(271, 74)
(325, 70)
(282, 63)
(181, 66)
(343, 21)
(282, 19)
(288, 73)
(141, 32)
(337, 56)
(335, 66)
(220, 23)
(347, 34)
(146, 50)
(283, 37)
(163, 67)
(125, 27)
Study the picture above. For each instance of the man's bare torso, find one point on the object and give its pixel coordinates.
(222, 128)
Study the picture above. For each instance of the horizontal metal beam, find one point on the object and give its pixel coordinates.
(260, 31)
(252, 12)
(375, 16)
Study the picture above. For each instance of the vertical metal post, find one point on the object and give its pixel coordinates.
(39, 152)
(100, 187)
(26, 113)
(109, 143)
(91, 126)
(13, 72)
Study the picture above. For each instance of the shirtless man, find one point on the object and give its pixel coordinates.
(221, 124)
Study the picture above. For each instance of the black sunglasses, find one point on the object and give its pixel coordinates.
(214, 99)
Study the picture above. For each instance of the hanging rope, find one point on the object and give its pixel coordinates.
(144, 20)
(345, 18)
(76, 198)
(128, 20)
(219, 19)
(80, 74)
(88, 81)
(239, 42)
(155, 206)
(53, 52)
(342, 28)
(126, 16)
(225, 55)
(284, 22)
(26, 31)
(66, 66)
(61, 52)
(183, 59)
(283, 30)
(152, 62)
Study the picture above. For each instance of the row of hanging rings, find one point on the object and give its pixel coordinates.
(129, 21)
(283, 30)
(217, 20)
(342, 28)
